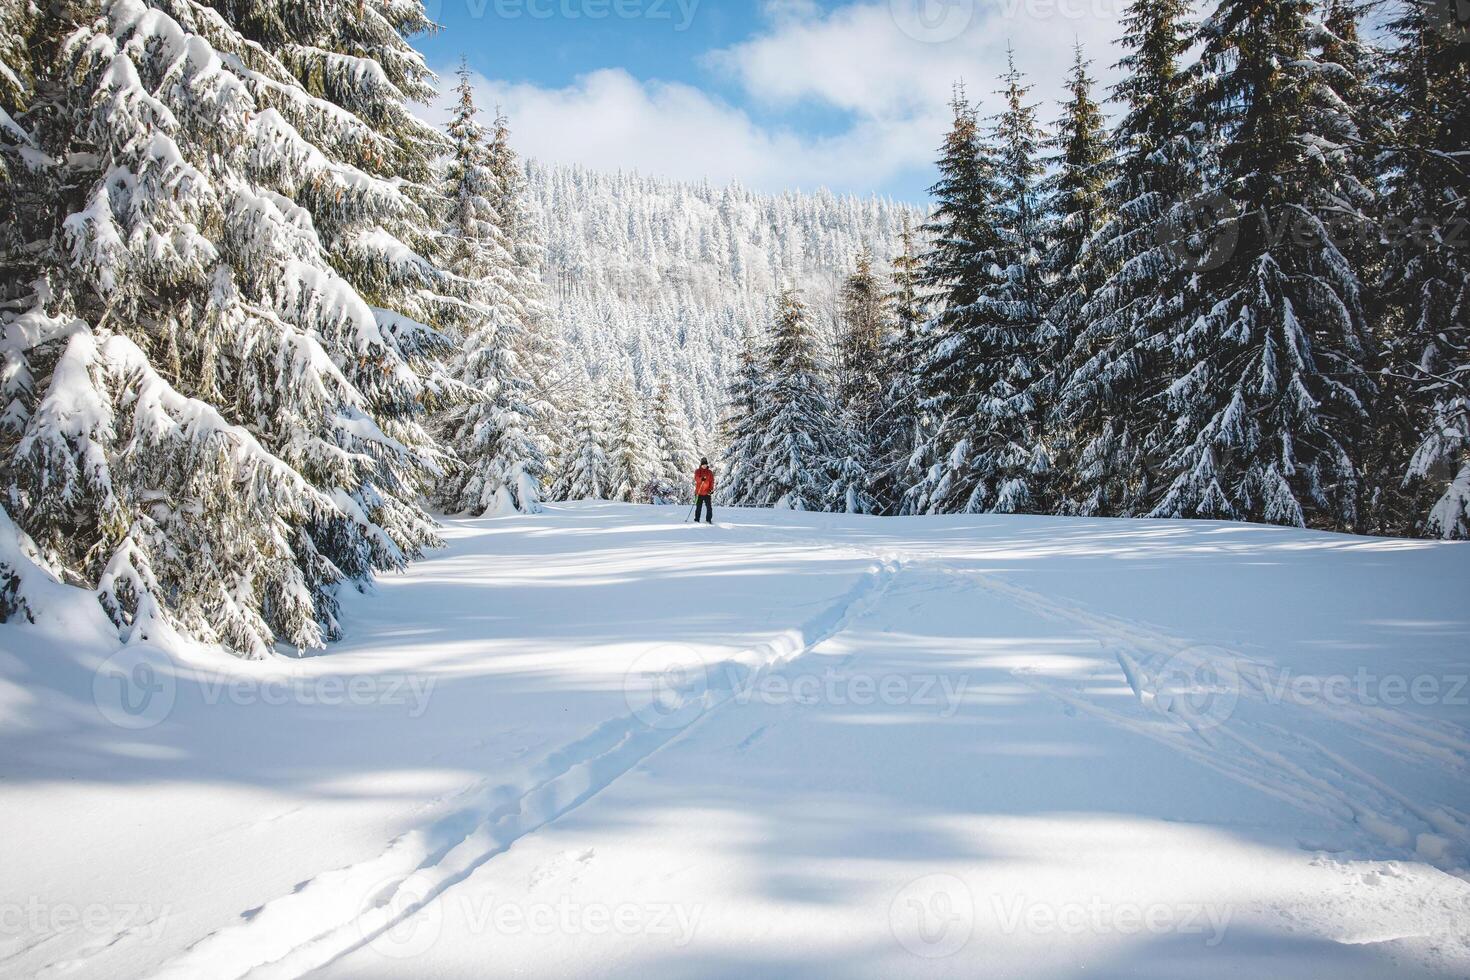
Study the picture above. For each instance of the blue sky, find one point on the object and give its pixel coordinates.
(776, 94)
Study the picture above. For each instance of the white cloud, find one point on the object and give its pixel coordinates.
(862, 61)
(865, 59)
(608, 120)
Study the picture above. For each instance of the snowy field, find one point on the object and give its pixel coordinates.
(599, 742)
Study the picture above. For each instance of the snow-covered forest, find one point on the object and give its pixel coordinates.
(260, 320)
(1074, 600)
(1249, 299)
(660, 279)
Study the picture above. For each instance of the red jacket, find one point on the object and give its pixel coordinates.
(704, 481)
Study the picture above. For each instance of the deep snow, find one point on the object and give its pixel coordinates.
(602, 742)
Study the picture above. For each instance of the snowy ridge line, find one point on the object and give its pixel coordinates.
(1271, 758)
(342, 910)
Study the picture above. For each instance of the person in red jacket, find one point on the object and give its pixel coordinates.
(704, 485)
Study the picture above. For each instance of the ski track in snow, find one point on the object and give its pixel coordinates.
(339, 911)
(1273, 758)
(1274, 744)
(1276, 759)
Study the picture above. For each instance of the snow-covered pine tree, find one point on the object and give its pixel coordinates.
(741, 440)
(673, 447)
(1077, 207)
(1426, 273)
(794, 417)
(216, 359)
(1270, 389)
(537, 343)
(862, 335)
(586, 471)
(1118, 367)
(989, 448)
(1351, 61)
(17, 22)
(963, 246)
(632, 459)
(897, 427)
(501, 464)
(862, 330)
(1015, 458)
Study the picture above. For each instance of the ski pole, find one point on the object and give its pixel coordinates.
(691, 512)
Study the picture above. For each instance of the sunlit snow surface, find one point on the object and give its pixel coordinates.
(602, 742)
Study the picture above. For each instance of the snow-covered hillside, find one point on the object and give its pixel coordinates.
(660, 277)
(601, 742)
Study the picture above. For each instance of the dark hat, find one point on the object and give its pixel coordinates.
(703, 461)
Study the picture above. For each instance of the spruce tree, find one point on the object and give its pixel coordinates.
(673, 447)
(964, 245)
(900, 420)
(794, 417)
(633, 465)
(1015, 460)
(863, 328)
(221, 351)
(537, 344)
(988, 450)
(1077, 209)
(1425, 409)
(862, 332)
(1268, 401)
(1109, 400)
(586, 470)
(501, 463)
(738, 486)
